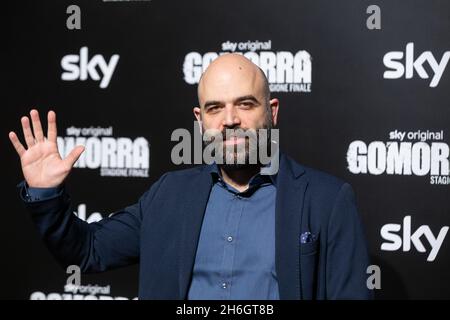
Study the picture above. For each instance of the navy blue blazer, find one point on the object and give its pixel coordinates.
(162, 229)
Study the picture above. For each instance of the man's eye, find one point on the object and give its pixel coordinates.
(246, 104)
(213, 108)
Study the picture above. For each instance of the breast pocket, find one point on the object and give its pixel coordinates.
(309, 253)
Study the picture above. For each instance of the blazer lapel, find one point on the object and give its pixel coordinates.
(196, 198)
(291, 187)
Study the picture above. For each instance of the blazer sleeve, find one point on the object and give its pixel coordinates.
(347, 253)
(94, 247)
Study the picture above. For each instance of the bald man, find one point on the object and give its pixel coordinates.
(218, 231)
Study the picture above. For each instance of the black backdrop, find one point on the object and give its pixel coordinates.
(348, 99)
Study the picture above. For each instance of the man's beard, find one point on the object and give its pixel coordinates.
(239, 155)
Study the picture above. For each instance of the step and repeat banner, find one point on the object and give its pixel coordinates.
(364, 90)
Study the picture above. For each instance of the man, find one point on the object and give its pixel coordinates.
(218, 231)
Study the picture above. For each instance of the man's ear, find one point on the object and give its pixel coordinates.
(197, 113)
(274, 106)
(198, 116)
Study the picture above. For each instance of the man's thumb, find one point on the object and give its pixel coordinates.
(73, 156)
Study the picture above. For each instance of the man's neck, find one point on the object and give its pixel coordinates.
(239, 178)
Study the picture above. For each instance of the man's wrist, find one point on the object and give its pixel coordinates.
(36, 194)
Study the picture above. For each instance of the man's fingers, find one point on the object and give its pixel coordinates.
(27, 133)
(37, 128)
(52, 131)
(16, 143)
(73, 156)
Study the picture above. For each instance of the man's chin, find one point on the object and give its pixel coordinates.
(237, 166)
(235, 162)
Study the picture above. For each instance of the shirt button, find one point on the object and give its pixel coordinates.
(230, 238)
(224, 285)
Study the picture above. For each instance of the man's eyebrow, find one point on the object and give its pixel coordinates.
(247, 97)
(237, 100)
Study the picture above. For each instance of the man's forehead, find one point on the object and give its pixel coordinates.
(229, 92)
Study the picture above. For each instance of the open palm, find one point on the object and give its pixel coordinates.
(42, 166)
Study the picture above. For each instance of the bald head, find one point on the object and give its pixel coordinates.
(233, 74)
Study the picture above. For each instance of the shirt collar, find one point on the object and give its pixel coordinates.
(257, 179)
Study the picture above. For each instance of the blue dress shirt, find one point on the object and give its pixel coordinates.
(236, 251)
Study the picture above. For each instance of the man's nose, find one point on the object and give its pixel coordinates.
(231, 117)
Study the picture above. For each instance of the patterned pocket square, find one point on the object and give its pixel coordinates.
(307, 237)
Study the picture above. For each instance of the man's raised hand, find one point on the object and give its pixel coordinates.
(42, 166)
